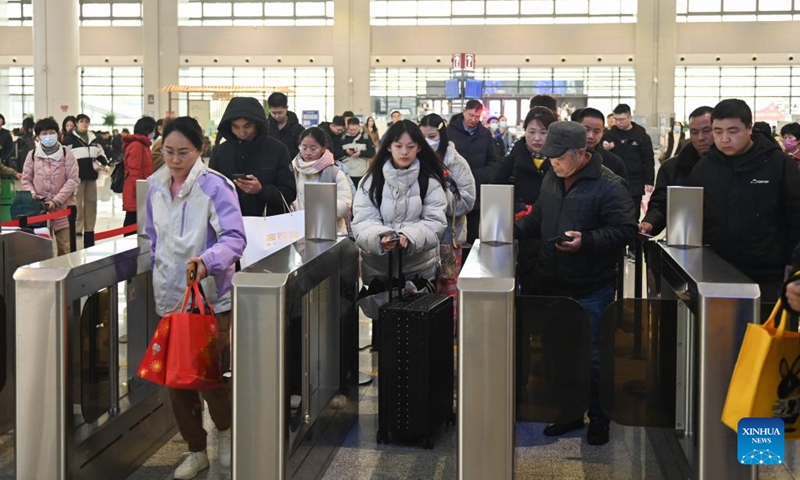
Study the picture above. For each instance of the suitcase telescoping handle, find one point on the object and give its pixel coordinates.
(399, 251)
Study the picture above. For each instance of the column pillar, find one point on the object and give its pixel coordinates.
(161, 53)
(656, 46)
(351, 56)
(55, 58)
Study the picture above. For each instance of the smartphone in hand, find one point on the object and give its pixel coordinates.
(240, 176)
(559, 239)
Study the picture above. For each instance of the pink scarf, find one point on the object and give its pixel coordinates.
(310, 168)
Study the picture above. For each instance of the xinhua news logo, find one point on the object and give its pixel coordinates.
(761, 441)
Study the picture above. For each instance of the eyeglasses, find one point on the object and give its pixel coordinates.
(311, 150)
(181, 154)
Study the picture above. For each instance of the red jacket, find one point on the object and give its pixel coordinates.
(138, 166)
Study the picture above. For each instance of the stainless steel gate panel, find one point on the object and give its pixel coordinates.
(52, 440)
(17, 249)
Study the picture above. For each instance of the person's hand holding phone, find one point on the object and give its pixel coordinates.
(572, 246)
(391, 241)
(247, 183)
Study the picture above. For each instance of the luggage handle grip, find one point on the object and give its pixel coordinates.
(399, 271)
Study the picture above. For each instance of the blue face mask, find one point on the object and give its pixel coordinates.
(49, 140)
(503, 124)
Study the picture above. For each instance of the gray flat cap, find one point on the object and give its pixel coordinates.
(562, 136)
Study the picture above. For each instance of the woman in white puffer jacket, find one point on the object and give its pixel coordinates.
(389, 210)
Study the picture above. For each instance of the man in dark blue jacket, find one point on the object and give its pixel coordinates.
(587, 214)
(257, 164)
(475, 143)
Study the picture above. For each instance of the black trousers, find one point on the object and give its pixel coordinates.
(130, 219)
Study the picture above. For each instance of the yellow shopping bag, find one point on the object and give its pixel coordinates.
(766, 378)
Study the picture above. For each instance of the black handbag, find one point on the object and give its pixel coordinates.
(24, 204)
(118, 178)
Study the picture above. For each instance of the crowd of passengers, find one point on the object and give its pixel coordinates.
(578, 187)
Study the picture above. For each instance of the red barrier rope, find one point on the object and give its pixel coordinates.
(115, 232)
(38, 218)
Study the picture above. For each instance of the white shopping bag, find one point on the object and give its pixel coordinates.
(267, 235)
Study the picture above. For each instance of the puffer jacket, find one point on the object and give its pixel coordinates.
(85, 153)
(357, 166)
(403, 211)
(600, 207)
(52, 177)
(203, 220)
(461, 176)
(263, 157)
(138, 163)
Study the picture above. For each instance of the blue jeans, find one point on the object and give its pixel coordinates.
(595, 305)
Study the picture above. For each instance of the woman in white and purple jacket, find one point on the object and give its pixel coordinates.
(193, 215)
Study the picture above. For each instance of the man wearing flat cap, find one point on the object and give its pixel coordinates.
(586, 216)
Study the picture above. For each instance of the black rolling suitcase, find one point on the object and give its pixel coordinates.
(415, 366)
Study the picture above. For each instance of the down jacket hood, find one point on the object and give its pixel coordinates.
(242, 107)
(128, 139)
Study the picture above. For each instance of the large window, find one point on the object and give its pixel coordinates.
(308, 88)
(506, 90)
(16, 94)
(116, 90)
(254, 13)
(738, 10)
(501, 12)
(772, 92)
(104, 13)
(16, 13)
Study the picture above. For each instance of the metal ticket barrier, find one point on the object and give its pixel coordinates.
(715, 304)
(82, 412)
(486, 325)
(17, 248)
(295, 350)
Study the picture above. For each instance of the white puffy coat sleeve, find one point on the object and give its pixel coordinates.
(344, 196)
(424, 234)
(367, 223)
(461, 174)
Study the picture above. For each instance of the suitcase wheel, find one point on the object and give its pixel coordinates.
(383, 437)
(427, 442)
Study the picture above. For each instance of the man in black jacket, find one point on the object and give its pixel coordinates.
(283, 124)
(594, 122)
(259, 165)
(587, 216)
(751, 198)
(6, 143)
(674, 172)
(475, 143)
(335, 130)
(633, 145)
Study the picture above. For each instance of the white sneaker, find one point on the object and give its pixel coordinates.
(224, 447)
(294, 401)
(195, 463)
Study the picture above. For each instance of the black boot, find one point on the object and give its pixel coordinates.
(558, 429)
(88, 239)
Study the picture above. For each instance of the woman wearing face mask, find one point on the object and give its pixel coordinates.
(51, 174)
(672, 142)
(390, 210)
(460, 200)
(314, 164)
(790, 135)
(525, 169)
